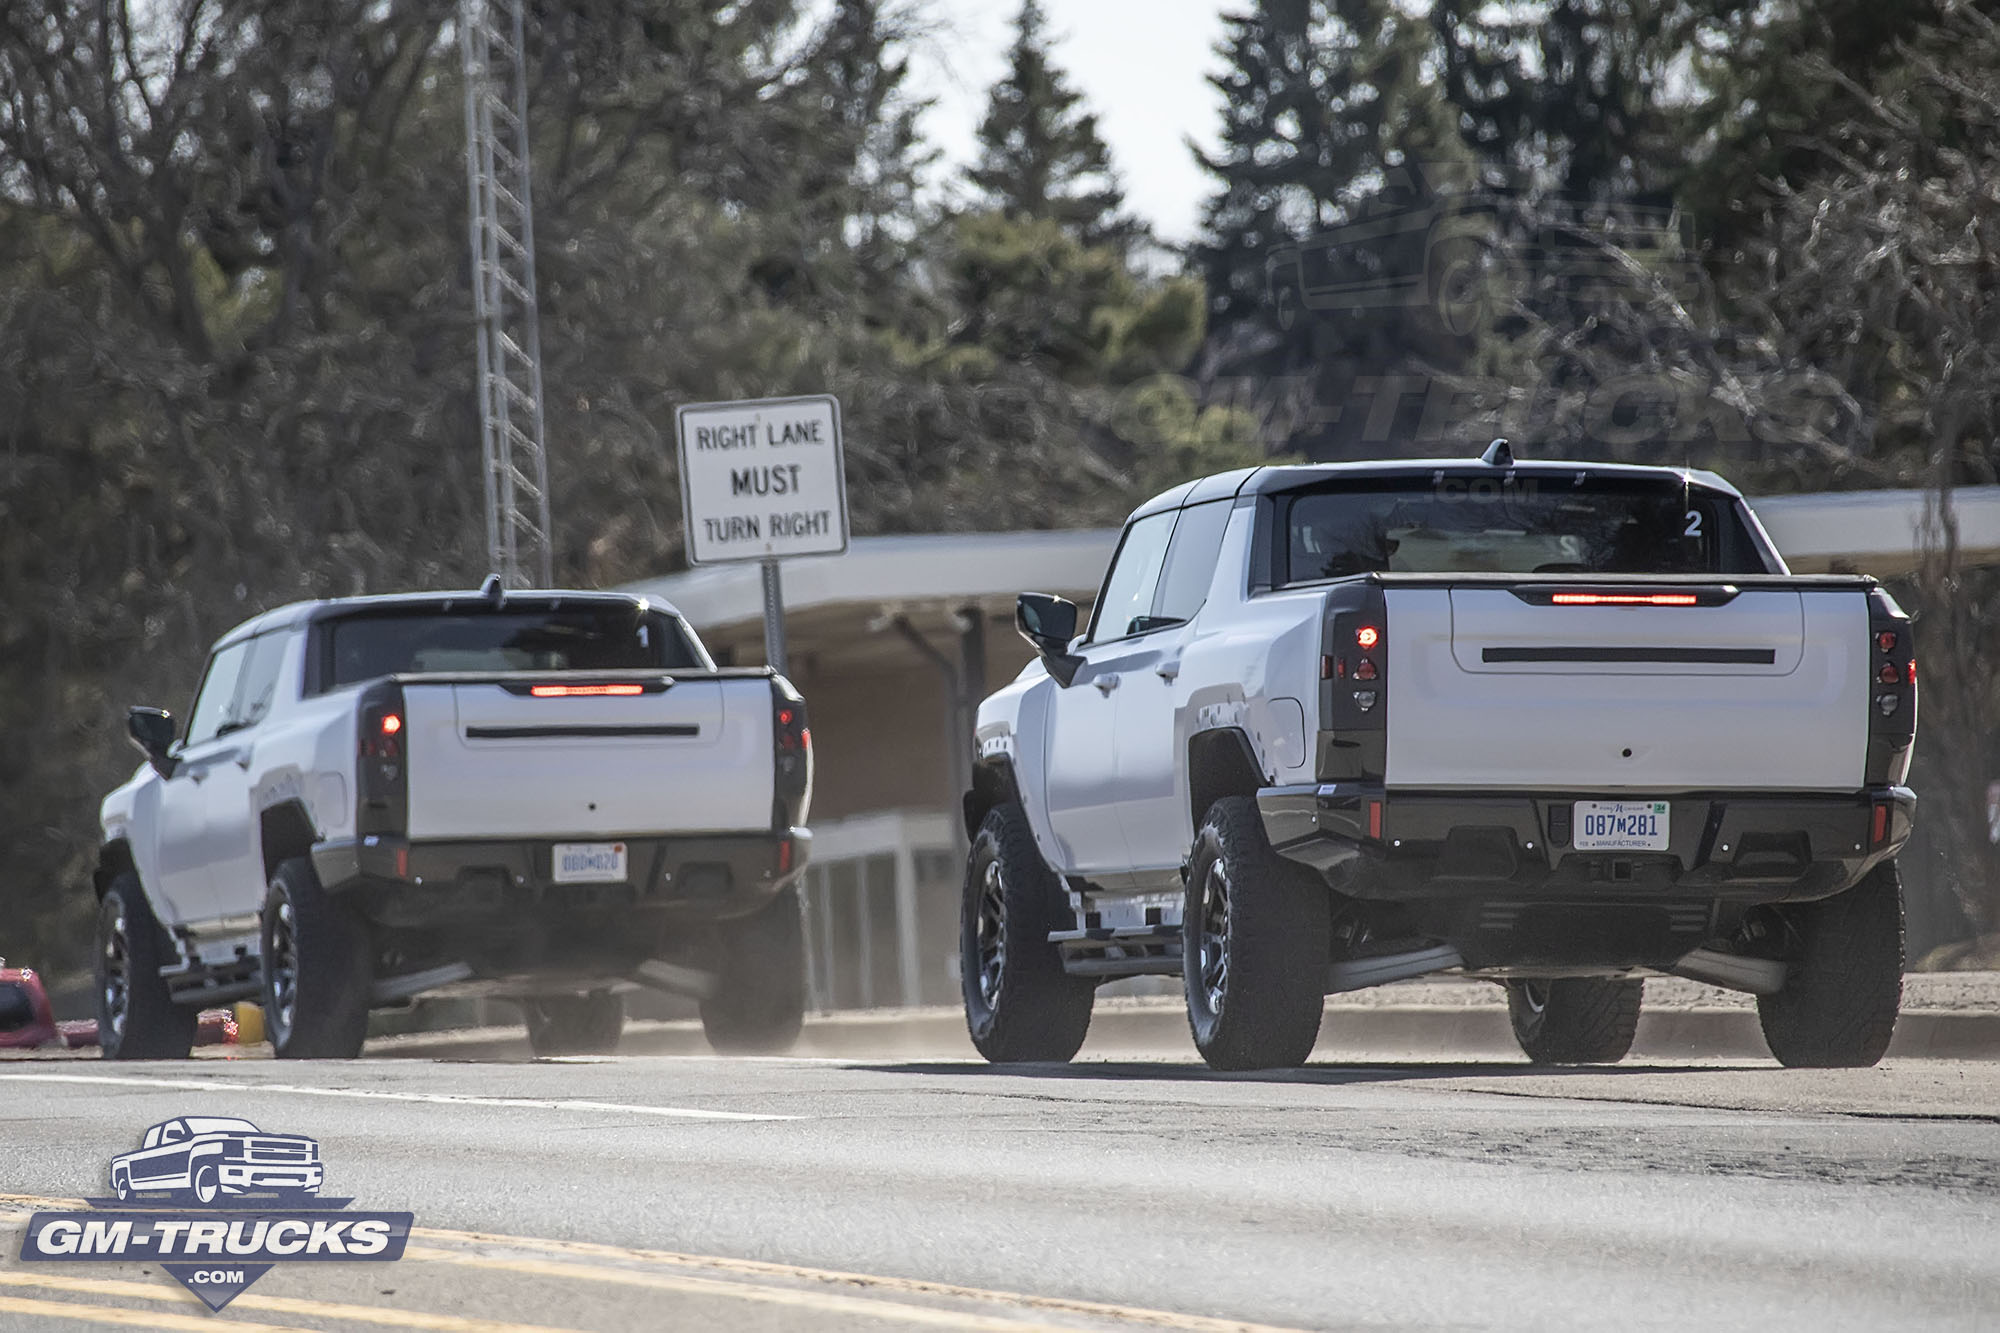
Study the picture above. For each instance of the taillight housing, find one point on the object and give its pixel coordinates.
(1354, 678)
(1892, 690)
(381, 762)
(791, 756)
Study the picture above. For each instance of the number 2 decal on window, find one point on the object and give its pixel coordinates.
(1693, 528)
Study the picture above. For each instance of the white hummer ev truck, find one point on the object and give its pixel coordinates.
(549, 796)
(1559, 725)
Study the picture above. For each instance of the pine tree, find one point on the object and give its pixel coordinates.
(1324, 103)
(1040, 153)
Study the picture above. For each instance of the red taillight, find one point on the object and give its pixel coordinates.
(1888, 675)
(1624, 599)
(1886, 641)
(1367, 636)
(1913, 671)
(1879, 833)
(391, 724)
(1374, 819)
(785, 855)
(582, 691)
(1365, 669)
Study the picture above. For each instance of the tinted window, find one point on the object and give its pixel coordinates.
(259, 683)
(1135, 576)
(367, 647)
(218, 693)
(1531, 525)
(1190, 566)
(17, 1011)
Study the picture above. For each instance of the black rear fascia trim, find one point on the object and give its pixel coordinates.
(1719, 656)
(1708, 594)
(554, 730)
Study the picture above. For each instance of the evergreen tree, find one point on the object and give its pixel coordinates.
(1040, 153)
(1325, 102)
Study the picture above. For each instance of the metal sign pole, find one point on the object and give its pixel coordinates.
(774, 618)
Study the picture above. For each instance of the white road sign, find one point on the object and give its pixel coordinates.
(763, 479)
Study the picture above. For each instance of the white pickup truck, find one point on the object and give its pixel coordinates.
(550, 796)
(1558, 725)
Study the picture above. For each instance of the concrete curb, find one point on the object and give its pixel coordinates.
(1159, 1028)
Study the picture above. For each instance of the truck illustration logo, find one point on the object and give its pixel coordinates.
(204, 1159)
(255, 1200)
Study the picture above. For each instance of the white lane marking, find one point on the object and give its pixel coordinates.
(373, 1094)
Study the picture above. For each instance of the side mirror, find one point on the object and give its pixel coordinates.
(152, 730)
(1048, 624)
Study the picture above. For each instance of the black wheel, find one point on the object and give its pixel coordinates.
(575, 1024)
(137, 1018)
(1845, 980)
(316, 970)
(1019, 1003)
(1574, 1020)
(759, 1003)
(1253, 945)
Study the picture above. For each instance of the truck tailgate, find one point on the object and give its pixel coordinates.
(1499, 687)
(518, 759)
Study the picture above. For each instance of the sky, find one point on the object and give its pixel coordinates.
(1141, 65)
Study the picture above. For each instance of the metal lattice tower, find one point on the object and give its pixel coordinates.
(516, 465)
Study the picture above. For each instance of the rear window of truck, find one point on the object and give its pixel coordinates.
(1526, 524)
(370, 646)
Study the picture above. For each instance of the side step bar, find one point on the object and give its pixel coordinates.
(1360, 973)
(1120, 951)
(390, 989)
(1759, 976)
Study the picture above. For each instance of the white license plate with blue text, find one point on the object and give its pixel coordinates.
(590, 863)
(1620, 826)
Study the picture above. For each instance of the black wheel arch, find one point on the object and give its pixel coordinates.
(114, 858)
(287, 832)
(993, 785)
(1220, 762)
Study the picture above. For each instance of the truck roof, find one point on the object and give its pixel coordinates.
(331, 608)
(1283, 477)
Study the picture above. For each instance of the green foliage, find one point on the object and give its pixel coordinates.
(1040, 154)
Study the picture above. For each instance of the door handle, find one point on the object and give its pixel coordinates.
(1167, 670)
(1106, 683)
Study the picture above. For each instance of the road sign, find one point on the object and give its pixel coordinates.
(762, 480)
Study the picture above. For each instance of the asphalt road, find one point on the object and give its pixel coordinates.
(652, 1192)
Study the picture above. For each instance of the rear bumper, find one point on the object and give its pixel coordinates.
(1746, 847)
(712, 876)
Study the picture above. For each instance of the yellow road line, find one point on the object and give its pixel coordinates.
(111, 1314)
(819, 1302)
(1128, 1314)
(369, 1314)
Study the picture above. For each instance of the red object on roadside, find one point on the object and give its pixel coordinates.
(215, 1027)
(77, 1032)
(26, 1020)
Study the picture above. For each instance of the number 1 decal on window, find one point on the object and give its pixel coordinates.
(1693, 528)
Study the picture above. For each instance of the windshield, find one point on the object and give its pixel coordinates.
(1446, 524)
(597, 638)
(215, 1124)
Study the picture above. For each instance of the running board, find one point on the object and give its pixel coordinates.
(391, 989)
(1120, 951)
(675, 979)
(1360, 973)
(1759, 976)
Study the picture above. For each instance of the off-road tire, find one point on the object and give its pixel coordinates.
(137, 1018)
(575, 1024)
(1019, 1003)
(1254, 973)
(1845, 985)
(1574, 1020)
(317, 974)
(758, 1006)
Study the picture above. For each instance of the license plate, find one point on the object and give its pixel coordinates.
(1620, 826)
(590, 863)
